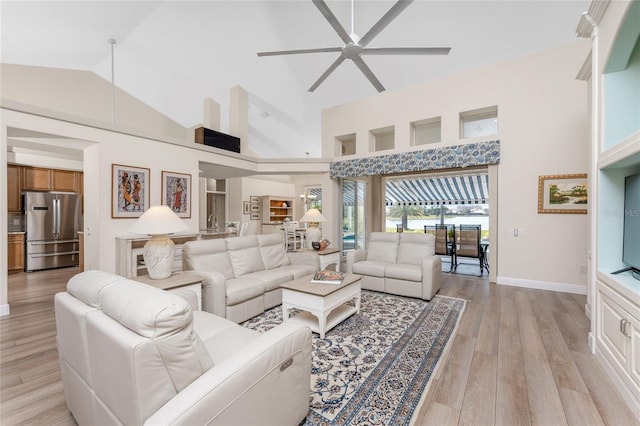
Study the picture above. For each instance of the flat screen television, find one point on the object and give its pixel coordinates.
(631, 232)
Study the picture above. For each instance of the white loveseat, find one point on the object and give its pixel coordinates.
(133, 354)
(242, 275)
(398, 263)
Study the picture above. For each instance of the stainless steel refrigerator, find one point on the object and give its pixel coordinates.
(53, 220)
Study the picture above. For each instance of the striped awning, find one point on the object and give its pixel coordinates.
(464, 189)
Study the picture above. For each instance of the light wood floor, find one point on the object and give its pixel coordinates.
(519, 357)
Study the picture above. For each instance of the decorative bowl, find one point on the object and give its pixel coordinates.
(320, 245)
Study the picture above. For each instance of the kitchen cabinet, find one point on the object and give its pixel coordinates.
(15, 252)
(64, 180)
(14, 196)
(40, 179)
(36, 179)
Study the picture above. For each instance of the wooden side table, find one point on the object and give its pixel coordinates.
(177, 281)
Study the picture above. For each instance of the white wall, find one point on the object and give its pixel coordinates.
(543, 130)
(83, 94)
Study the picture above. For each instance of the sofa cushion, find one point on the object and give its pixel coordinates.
(299, 269)
(166, 320)
(415, 247)
(383, 246)
(404, 271)
(242, 289)
(272, 250)
(244, 254)
(373, 268)
(271, 278)
(207, 255)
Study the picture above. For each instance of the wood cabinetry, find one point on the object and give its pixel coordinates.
(40, 179)
(14, 196)
(64, 180)
(275, 210)
(15, 252)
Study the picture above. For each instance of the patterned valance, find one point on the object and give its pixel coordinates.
(448, 157)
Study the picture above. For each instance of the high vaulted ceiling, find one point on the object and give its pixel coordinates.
(174, 54)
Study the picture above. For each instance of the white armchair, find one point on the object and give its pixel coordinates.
(133, 354)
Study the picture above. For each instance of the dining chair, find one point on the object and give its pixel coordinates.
(469, 244)
(293, 238)
(445, 246)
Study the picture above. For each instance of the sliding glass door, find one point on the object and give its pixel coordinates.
(353, 214)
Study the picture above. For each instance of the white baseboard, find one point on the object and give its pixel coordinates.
(543, 285)
(4, 310)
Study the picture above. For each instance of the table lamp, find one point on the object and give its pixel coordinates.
(313, 217)
(158, 222)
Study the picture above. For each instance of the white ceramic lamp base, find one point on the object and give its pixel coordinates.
(158, 256)
(313, 234)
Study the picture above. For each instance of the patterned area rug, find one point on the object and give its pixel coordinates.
(374, 367)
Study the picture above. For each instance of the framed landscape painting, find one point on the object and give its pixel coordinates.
(176, 192)
(563, 194)
(129, 191)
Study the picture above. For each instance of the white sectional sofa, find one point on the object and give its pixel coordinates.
(242, 275)
(132, 354)
(398, 263)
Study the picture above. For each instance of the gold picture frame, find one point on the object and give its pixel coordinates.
(563, 194)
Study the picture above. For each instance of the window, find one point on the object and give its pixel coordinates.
(479, 122)
(346, 145)
(353, 214)
(426, 131)
(382, 139)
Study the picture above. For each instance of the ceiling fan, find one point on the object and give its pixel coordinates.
(355, 46)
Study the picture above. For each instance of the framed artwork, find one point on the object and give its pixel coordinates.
(129, 191)
(255, 216)
(254, 199)
(255, 208)
(246, 207)
(563, 194)
(176, 192)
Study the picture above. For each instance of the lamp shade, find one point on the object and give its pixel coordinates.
(158, 220)
(313, 216)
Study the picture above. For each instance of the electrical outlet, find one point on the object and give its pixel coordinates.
(583, 269)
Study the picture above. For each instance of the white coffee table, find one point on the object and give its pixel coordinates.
(323, 305)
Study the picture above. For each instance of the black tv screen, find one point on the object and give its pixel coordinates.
(631, 234)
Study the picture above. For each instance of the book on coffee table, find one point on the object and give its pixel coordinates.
(328, 277)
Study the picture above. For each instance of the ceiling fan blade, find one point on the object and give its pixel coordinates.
(369, 74)
(395, 10)
(326, 73)
(333, 21)
(299, 51)
(406, 51)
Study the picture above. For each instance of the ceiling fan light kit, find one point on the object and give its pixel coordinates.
(355, 47)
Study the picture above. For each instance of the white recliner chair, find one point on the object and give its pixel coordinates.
(132, 354)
